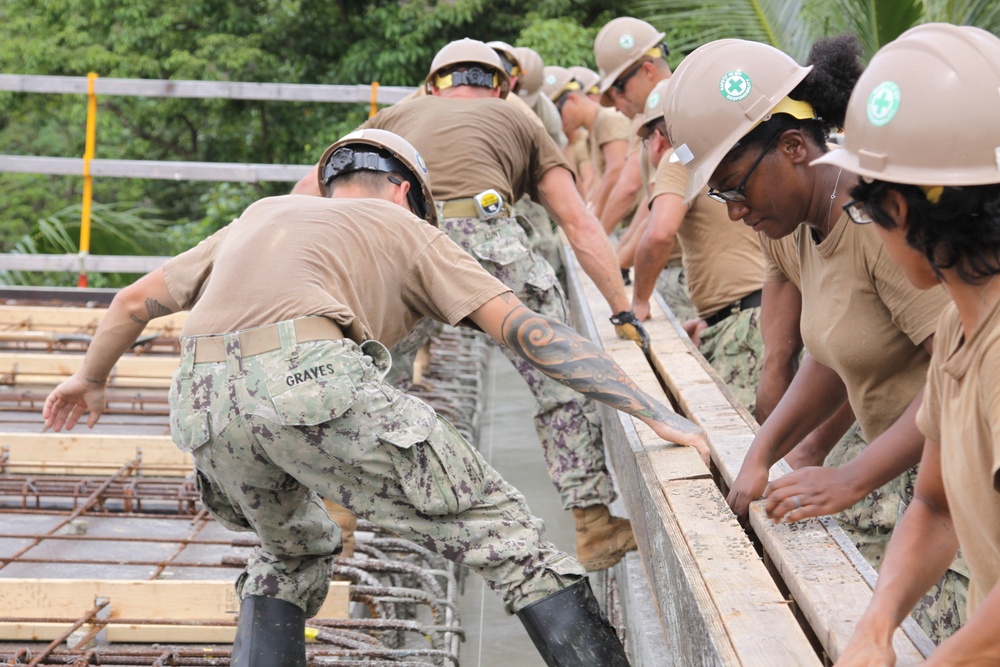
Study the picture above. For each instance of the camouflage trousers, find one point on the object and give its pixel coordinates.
(543, 239)
(272, 432)
(735, 349)
(869, 524)
(567, 422)
(672, 286)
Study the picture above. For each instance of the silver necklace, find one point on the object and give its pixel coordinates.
(833, 198)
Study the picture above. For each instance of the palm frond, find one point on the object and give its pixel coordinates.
(877, 23)
(780, 23)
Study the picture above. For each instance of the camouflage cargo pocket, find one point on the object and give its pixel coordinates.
(501, 251)
(436, 468)
(189, 428)
(216, 502)
(316, 388)
(542, 276)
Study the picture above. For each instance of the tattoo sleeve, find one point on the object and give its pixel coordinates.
(565, 356)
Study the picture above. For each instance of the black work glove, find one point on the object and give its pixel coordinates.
(626, 278)
(627, 326)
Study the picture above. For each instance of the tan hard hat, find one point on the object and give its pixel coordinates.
(587, 77)
(392, 153)
(507, 50)
(556, 80)
(621, 43)
(926, 111)
(531, 74)
(655, 102)
(468, 51)
(720, 92)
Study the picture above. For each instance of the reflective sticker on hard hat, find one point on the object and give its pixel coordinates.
(626, 41)
(356, 134)
(654, 99)
(883, 103)
(735, 85)
(683, 154)
(551, 79)
(420, 161)
(998, 158)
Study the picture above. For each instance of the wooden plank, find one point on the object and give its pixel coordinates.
(717, 602)
(129, 366)
(169, 170)
(234, 90)
(208, 602)
(79, 320)
(87, 454)
(825, 582)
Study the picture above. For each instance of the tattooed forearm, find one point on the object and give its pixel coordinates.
(567, 357)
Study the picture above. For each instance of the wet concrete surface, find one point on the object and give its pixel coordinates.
(509, 442)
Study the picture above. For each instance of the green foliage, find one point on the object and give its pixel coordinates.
(293, 41)
(793, 25)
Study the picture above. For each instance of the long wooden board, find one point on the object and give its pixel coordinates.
(130, 371)
(77, 320)
(91, 454)
(824, 581)
(717, 602)
(207, 602)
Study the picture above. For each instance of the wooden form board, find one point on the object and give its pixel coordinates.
(78, 320)
(823, 578)
(207, 602)
(92, 454)
(717, 602)
(29, 368)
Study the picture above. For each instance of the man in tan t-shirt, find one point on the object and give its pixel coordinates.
(280, 399)
(723, 263)
(477, 174)
(607, 130)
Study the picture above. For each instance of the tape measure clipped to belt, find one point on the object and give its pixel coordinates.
(489, 204)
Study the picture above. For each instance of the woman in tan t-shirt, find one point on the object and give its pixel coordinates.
(748, 120)
(936, 206)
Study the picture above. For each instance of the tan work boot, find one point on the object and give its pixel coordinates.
(347, 522)
(601, 539)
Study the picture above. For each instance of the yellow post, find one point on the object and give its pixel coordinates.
(374, 102)
(88, 155)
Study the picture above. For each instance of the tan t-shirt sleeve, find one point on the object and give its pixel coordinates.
(545, 155)
(447, 284)
(671, 179)
(610, 127)
(929, 413)
(989, 398)
(913, 310)
(773, 273)
(187, 273)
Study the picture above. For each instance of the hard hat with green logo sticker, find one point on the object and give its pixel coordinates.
(653, 111)
(556, 81)
(926, 110)
(621, 43)
(587, 77)
(720, 92)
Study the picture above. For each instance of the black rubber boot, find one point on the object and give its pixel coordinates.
(569, 630)
(270, 633)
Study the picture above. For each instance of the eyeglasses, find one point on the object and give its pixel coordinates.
(856, 212)
(737, 194)
(620, 82)
(560, 101)
(652, 131)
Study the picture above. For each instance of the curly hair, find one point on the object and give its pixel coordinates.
(961, 231)
(837, 67)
